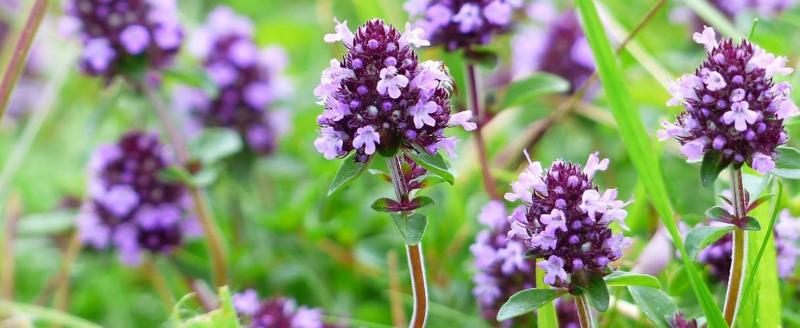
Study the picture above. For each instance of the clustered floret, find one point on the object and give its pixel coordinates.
(732, 105)
(249, 81)
(556, 44)
(128, 207)
(380, 98)
(123, 34)
(276, 312)
(462, 23)
(502, 268)
(564, 218)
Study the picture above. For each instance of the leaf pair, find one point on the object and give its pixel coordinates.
(351, 169)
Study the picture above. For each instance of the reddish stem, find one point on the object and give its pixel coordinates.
(488, 181)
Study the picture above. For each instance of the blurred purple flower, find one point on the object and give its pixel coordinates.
(562, 212)
(680, 321)
(249, 81)
(554, 44)
(462, 23)
(732, 104)
(275, 312)
(567, 312)
(381, 98)
(128, 208)
(502, 268)
(122, 36)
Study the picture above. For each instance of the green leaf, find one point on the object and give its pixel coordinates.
(527, 301)
(536, 85)
(192, 77)
(640, 148)
(205, 177)
(594, 287)
(787, 164)
(760, 200)
(44, 314)
(44, 224)
(713, 164)
(546, 315)
(411, 227)
(435, 164)
(348, 172)
(385, 205)
(215, 144)
(749, 223)
(700, 237)
(622, 278)
(482, 57)
(654, 303)
(719, 213)
(422, 201)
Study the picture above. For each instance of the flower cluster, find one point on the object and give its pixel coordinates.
(732, 106)
(124, 34)
(462, 23)
(127, 206)
(380, 97)
(249, 81)
(275, 313)
(564, 218)
(502, 268)
(556, 45)
(680, 321)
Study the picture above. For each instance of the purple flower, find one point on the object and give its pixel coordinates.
(276, 312)
(379, 97)
(121, 36)
(502, 268)
(554, 44)
(564, 219)
(680, 321)
(250, 81)
(732, 105)
(128, 207)
(462, 23)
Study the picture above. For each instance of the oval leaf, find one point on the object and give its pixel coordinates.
(654, 303)
(527, 301)
(348, 172)
(622, 278)
(749, 223)
(788, 158)
(385, 205)
(700, 237)
(411, 227)
(713, 164)
(525, 90)
(421, 202)
(594, 287)
(435, 164)
(719, 213)
(215, 144)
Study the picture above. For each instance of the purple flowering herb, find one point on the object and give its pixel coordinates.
(462, 23)
(380, 98)
(123, 36)
(554, 44)
(564, 219)
(276, 312)
(732, 105)
(128, 208)
(249, 82)
(502, 268)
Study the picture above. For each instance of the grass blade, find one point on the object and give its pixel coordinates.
(640, 148)
(765, 307)
(546, 314)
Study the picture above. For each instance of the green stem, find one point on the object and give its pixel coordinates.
(739, 255)
(584, 312)
(199, 198)
(20, 54)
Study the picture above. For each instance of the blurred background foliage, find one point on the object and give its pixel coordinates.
(284, 234)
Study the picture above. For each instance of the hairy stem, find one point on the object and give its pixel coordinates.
(199, 198)
(739, 255)
(415, 261)
(20, 54)
(584, 313)
(488, 180)
(417, 265)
